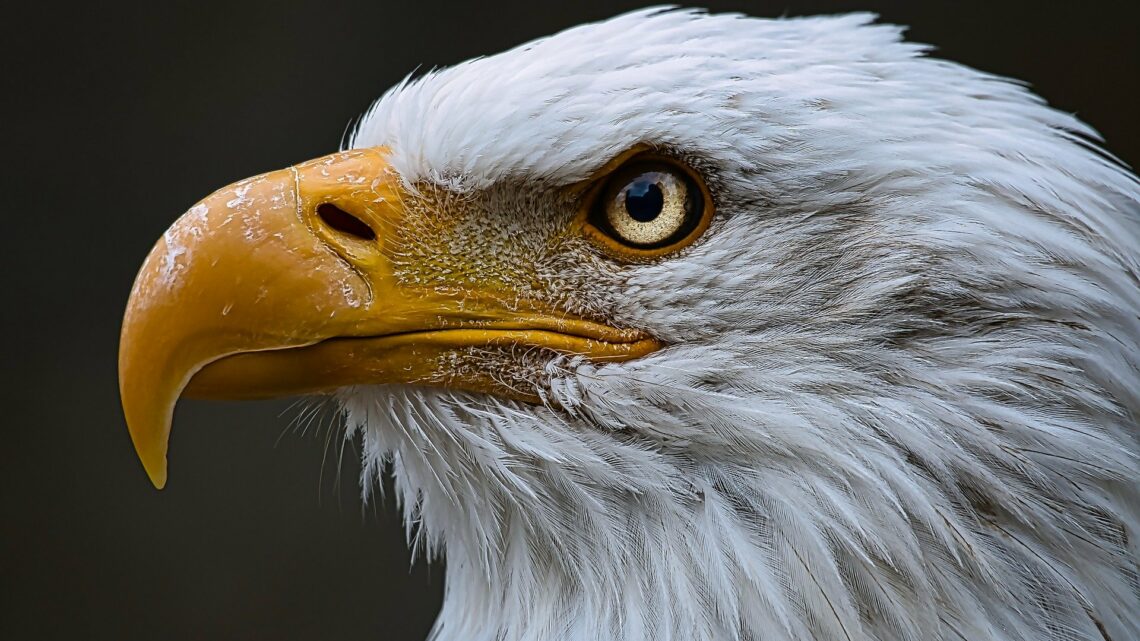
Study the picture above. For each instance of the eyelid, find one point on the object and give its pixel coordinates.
(597, 180)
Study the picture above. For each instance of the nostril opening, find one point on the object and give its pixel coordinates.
(345, 222)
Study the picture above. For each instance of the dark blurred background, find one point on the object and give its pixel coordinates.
(118, 118)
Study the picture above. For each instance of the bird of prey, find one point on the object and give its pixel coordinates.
(688, 326)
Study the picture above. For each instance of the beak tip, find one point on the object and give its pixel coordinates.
(156, 471)
(150, 437)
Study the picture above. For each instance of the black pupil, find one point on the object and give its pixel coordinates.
(644, 200)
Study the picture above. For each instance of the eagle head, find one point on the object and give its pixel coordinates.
(679, 326)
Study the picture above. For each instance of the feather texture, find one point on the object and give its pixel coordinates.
(901, 390)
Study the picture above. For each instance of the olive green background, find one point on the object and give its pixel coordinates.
(118, 117)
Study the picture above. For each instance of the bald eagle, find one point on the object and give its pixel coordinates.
(736, 329)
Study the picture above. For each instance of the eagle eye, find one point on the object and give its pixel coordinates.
(647, 207)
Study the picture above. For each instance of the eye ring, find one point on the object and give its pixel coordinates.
(646, 206)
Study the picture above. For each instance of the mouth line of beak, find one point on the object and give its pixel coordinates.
(342, 361)
(493, 335)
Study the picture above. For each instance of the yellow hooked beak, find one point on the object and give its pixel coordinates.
(284, 284)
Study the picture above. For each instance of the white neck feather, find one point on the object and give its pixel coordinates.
(557, 531)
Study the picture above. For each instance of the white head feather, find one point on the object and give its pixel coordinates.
(901, 393)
